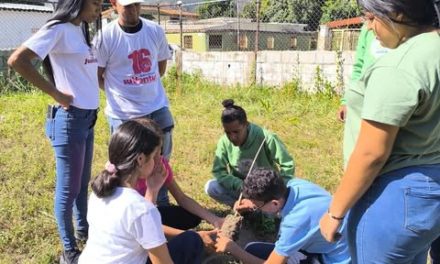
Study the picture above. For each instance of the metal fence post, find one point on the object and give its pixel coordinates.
(257, 40)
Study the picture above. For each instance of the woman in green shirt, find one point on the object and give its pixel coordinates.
(391, 183)
(237, 149)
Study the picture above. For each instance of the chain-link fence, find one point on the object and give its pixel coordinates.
(215, 25)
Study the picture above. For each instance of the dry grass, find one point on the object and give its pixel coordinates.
(306, 124)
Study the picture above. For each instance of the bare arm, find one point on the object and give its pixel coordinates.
(371, 152)
(160, 255)
(171, 232)
(21, 61)
(226, 245)
(101, 77)
(162, 67)
(192, 206)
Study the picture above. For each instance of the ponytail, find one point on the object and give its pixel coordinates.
(105, 184)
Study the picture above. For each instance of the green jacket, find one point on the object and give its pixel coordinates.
(231, 163)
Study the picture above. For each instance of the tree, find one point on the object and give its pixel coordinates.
(339, 9)
(217, 9)
(289, 11)
(250, 9)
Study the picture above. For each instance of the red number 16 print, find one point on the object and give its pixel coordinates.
(141, 61)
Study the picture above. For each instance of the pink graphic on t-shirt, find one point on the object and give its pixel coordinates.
(140, 61)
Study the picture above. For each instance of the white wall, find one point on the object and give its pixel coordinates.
(18, 26)
(274, 68)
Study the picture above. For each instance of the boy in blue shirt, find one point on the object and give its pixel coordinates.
(300, 205)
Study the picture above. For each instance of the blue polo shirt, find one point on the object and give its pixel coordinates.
(305, 205)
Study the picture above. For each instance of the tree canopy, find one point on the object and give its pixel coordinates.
(217, 9)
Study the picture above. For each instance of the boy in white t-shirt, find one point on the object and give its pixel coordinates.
(131, 59)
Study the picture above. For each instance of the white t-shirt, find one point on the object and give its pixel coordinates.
(122, 228)
(74, 63)
(132, 80)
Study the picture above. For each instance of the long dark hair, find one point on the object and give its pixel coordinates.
(66, 11)
(233, 112)
(130, 139)
(417, 12)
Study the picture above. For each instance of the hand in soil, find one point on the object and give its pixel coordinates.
(244, 205)
(208, 238)
(223, 243)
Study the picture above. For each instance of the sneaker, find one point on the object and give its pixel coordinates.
(81, 236)
(70, 256)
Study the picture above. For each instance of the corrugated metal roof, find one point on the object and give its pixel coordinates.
(150, 9)
(228, 24)
(25, 7)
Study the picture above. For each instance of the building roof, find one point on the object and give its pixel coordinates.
(26, 7)
(228, 24)
(152, 9)
(345, 22)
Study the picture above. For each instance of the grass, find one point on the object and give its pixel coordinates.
(306, 123)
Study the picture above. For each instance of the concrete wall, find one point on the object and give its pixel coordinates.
(274, 68)
(19, 26)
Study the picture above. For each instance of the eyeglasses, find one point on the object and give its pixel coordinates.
(258, 208)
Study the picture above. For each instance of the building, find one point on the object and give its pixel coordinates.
(162, 15)
(20, 21)
(238, 34)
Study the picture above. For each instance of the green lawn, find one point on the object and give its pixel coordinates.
(306, 124)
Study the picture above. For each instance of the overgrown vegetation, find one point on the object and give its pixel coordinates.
(306, 124)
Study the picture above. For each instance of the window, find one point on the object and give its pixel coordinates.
(270, 42)
(215, 41)
(187, 42)
(293, 43)
(243, 40)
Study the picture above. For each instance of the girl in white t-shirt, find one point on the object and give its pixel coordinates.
(124, 226)
(64, 45)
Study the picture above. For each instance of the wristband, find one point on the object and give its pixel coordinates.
(334, 217)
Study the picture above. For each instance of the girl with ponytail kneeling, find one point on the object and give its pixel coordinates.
(124, 226)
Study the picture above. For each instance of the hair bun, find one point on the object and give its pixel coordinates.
(227, 103)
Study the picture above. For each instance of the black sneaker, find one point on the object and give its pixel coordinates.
(70, 256)
(81, 236)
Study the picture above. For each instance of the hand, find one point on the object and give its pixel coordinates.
(223, 244)
(342, 113)
(157, 177)
(329, 228)
(63, 99)
(245, 205)
(208, 238)
(218, 222)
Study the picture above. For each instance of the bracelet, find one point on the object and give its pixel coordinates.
(334, 217)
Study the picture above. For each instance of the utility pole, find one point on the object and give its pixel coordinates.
(257, 40)
(158, 13)
(179, 3)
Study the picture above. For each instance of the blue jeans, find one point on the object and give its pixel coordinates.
(164, 119)
(398, 217)
(71, 135)
(220, 193)
(186, 248)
